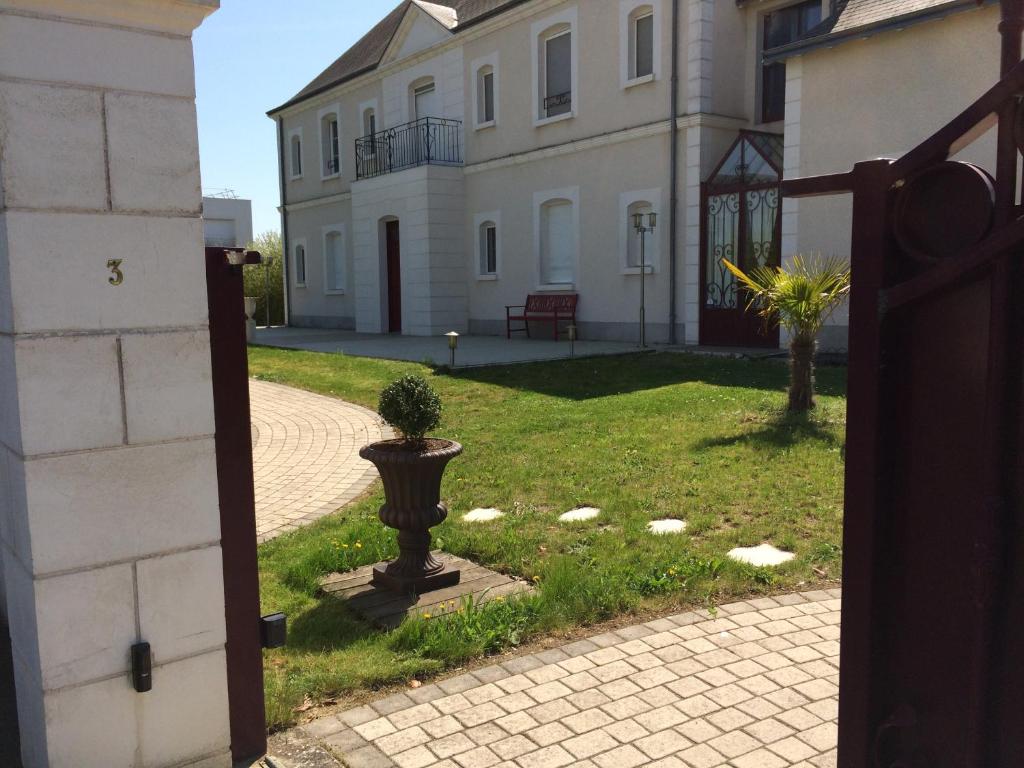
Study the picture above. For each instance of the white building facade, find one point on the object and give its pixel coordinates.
(464, 155)
(227, 221)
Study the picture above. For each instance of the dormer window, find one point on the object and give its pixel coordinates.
(782, 27)
(330, 143)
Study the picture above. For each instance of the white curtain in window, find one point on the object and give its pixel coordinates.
(334, 257)
(558, 243)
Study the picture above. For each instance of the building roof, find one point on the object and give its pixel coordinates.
(367, 53)
(855, 18)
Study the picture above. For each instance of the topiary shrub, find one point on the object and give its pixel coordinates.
(411, 406)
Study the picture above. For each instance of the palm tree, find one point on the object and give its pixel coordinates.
(800, 298)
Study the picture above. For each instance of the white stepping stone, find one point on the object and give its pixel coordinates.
(666, 527)
(483, 515)
(763, 555)
(580, 515)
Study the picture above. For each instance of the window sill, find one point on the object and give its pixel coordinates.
(300, 285)
(486, 278)
(556, 287)
(334, 293)
(485, 126)
(295, 178)
(638, 81)
(331, 176)
(650, 269)
(556, 119)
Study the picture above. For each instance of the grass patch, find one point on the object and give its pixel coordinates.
(642, 437)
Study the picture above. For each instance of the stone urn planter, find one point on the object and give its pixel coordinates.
(411, 469)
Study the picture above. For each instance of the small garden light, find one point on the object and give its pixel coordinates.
(453, 344)
(572, 340)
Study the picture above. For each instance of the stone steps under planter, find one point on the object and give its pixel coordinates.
(389, 609)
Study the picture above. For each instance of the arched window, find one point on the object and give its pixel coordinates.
(633, 253)
(556, 75)
(335, 267)
(300, 264)
(330, 143)
(425, 100)
(295, 152)
(641, 42)
(485, 95)
(557, 242)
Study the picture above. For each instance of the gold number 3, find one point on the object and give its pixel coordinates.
(117, 276)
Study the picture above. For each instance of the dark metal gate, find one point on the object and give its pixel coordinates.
(932, 669)
(237, 501)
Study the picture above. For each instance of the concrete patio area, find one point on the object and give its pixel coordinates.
(472, 351)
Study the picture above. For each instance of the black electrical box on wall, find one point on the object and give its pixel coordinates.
(142, 667)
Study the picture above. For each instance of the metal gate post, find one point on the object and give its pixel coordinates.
(237, 503)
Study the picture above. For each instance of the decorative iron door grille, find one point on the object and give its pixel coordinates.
(741, 223)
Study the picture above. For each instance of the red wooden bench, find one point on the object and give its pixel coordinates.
(543, 308)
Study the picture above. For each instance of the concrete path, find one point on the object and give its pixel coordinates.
(306, 455)
(754, 686)
(473, 350)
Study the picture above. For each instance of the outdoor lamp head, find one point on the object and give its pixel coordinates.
(572, 333)
(652, 219)
(453, 340)
(638, 221)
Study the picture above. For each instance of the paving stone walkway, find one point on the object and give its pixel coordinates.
(753, 686)
(306, 460)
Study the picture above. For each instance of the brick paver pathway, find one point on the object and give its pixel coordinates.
(306, 455)
(754, 686)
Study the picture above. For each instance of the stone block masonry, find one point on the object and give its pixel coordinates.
(109, 524)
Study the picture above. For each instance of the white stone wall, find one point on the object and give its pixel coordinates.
(429, 203)
(109, 528)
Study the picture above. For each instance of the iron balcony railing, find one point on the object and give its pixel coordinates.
(558, 104)
(427, 141)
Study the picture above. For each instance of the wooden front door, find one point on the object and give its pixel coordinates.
(742, 222)
(394, 259)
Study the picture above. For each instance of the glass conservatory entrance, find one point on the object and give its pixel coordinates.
(742, 223)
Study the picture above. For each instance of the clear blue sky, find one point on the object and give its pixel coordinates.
(251, 56)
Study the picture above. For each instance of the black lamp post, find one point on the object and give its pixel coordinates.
(641, 230)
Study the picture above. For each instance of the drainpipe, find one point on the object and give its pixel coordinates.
(673, 176)
(285, 261)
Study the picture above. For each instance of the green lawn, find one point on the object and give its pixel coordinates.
(642, 437)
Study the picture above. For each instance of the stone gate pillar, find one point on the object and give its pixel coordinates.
(108, 489)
